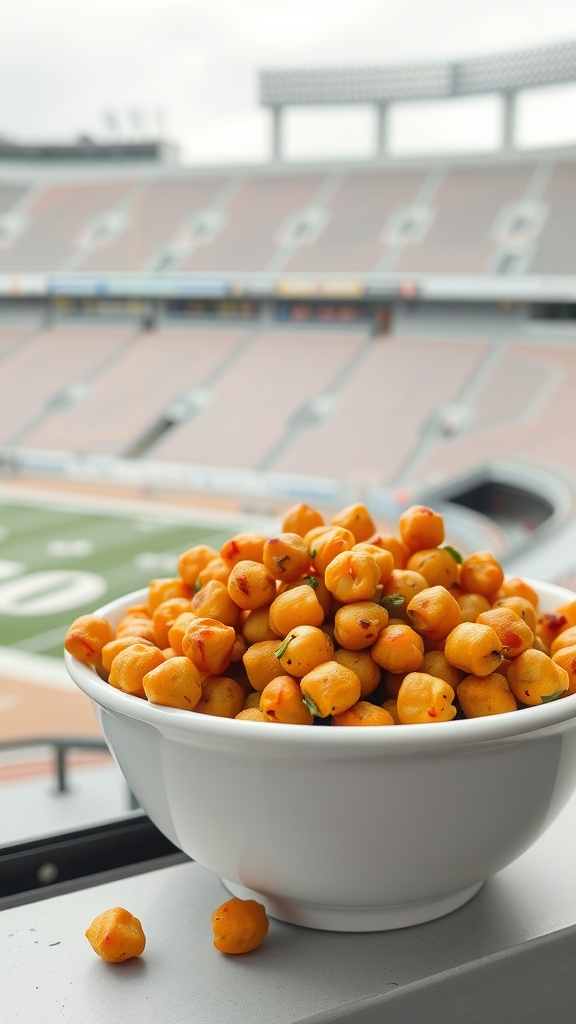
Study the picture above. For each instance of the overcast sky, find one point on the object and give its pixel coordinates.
(69, 67)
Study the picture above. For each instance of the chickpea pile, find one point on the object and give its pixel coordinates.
(335, 623)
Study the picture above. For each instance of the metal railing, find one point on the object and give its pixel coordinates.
(61, 747)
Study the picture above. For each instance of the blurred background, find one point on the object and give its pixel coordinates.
(257, 254)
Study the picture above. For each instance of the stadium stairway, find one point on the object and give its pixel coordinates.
(315, 410)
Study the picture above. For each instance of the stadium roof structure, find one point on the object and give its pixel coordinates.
(381, 85)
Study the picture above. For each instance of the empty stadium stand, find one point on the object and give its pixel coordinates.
(371, 324)
(464, 217)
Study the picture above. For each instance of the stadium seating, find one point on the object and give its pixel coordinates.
(160, 211)
(258, 209)
(439, 217)
(49, 369)
(277, 391)
(253, 404)
(59, 220)
(522, 412)
(466, 207)
(298, 399)
(357, 215)
(130, 387)
(556, 251)
(383, 410)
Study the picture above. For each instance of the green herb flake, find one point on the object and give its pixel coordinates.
(310, 704)
(284, 646)
(197, 586)
(312, 553)
(312, 581)
(391, 601)
(455, 554)
(547, 697)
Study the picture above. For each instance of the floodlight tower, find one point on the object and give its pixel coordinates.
(380, 86)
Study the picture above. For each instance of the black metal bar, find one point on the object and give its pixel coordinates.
(41, 867)
(61, 745)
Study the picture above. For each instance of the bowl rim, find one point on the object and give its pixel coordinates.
(373, 739)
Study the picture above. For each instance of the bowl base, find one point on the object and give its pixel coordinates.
(355, 919)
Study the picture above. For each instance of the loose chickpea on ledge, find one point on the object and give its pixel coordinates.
(336, 623)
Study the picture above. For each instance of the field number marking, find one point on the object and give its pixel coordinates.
(48, 593)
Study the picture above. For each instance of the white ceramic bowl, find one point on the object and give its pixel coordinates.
(358, 829)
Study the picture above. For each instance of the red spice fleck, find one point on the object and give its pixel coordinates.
(554, 621)
(243, 584)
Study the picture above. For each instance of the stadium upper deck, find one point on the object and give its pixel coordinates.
(461, 228)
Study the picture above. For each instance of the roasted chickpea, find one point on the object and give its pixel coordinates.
(165, 616)
(330, 688)
(111, 649)
(423, 699)
(550, 626)
(393, 544)
(116, 935)
(363, 713)
(474, 648)
(86, 637)
(221, 697)
(358, 625)
(213, 601)
(298, 606)
(480, 696)
(217, 569)
(328, 544)
(480, 573)
(208, 643)
(251, 585)
(192, 561)
(177, 630)
(564, 639)
(514, 633)
(281, 701)
(472, 605)
(129, 667)
(363, 664)
(242, 547)
(175, 683)
(256, 625)
(136, 625)
(253, 715)
(383, 558)
(403, 584)
(534, 678)
(357, 519)
(302, 649)
(513, 586)
(566, 658)
(436, 565)
(163, 589)
(436, 663)
(301, 518)
(239, 926)
(522, 606)
(286, 557)
(433, 612)
(262, 664)
(421, 527)
(399, 648)
(352, 576)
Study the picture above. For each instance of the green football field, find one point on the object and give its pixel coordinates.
(59, 559)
